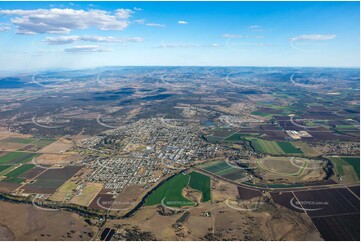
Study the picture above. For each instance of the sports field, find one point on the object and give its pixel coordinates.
(274, 147)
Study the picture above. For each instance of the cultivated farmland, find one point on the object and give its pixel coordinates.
(274, 147)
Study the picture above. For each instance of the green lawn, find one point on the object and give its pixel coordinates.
(201, 183)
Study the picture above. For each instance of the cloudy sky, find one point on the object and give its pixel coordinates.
(40, 35)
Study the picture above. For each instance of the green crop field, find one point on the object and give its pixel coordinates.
(212, 139)
(14, 180)
(201, 183)
(234, 137)
(19, 140)
(214, 167)
(347, 167)
(16, 157)
(265, 146)
(43, 142)
(274, 147)
(347, 127)
(262, 114)
(221, 168)
(4, 167)
(239, 136)
(19, 171)
(171, 192)
(288, 148)
(354, 162)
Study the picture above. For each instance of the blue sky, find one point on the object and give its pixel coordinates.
(41, 35)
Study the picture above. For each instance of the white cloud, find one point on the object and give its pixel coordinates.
(155, 25)
(90, 38)
(123, 13)
(182, 22)
(187, 45)
(61, 21)
(4, 28)
(314, 37)
(255, 28)
(139, 21)
(231, 36)
(86, 48)
(137, 9)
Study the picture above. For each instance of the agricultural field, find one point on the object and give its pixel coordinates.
(347, 168)
(64, 192)
(59, 146)
(37, 145)
(16, 158)
(221, 168)
(18, 140)
(50, 180)
(13, 143)
(19, 170)
(348, 129)
(336, 212)
(201, 183)
(239, 136)
(171, 192)
(306, 149)
(4, 167)
(86, 194)
(274, 147)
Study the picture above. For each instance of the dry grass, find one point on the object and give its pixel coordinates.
(86, 195)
